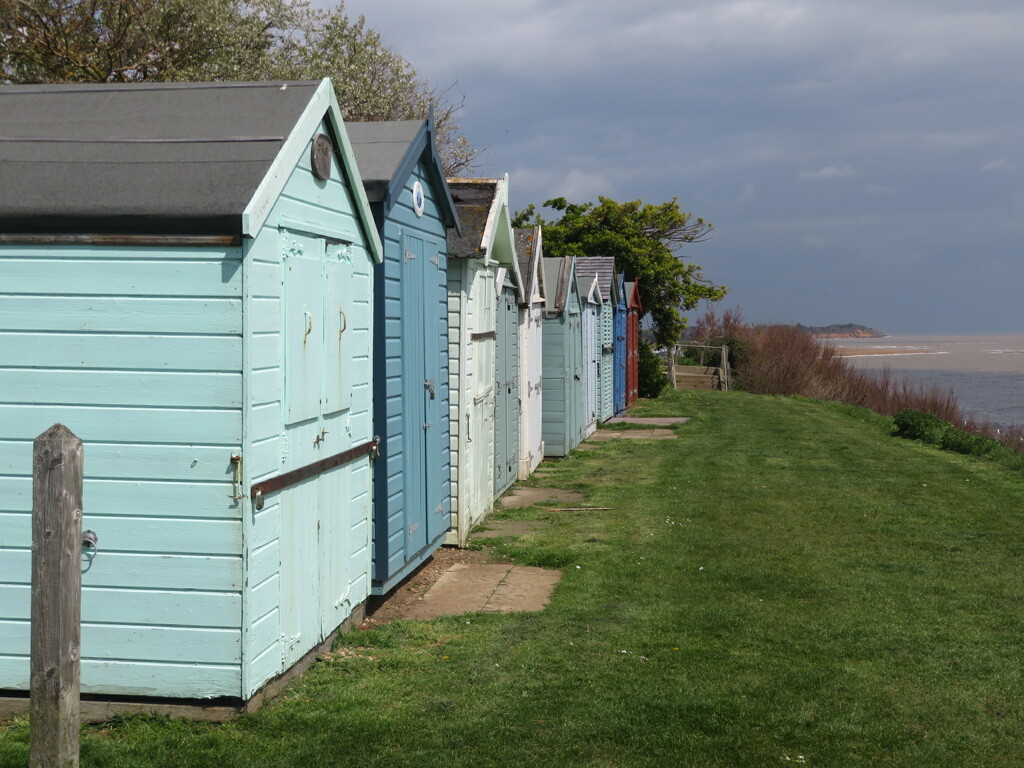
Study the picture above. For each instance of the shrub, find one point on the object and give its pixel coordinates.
(739, 350)
(787, 360)
(972, 443)
(651, 376)
(915, 425)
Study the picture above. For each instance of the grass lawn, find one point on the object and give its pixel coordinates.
(786, 583)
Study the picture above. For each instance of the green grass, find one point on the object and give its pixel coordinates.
(786, 583)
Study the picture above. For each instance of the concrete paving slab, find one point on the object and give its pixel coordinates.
(525, 588)
(654, 421)
(633, 434)
(498, 588)
(529, 497)
(497, 528)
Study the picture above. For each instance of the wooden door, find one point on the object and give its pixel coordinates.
(506, 403)
(317, 521)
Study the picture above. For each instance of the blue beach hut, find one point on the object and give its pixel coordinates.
(187, 275)
(619, 331)
(408, 192)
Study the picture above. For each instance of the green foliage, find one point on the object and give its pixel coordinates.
(915, 425)
(970, 443)
(929, 429)
(651, 376)
(643, 238)
(123, 41)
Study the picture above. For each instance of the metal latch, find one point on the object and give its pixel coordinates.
(236, 477)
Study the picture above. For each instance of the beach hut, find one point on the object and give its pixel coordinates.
(590, 297)
(484, 247)
(602, 269)
(506, 384)
(633, 312)
(619, 355)
(408, 193)
(562, 358)
(529, 251)
(187, 282)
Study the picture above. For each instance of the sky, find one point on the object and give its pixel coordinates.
(861, 160)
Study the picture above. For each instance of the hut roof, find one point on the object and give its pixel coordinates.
(600, 267)
(387, 153)
(486, 224)
(150, 158)
(528, 253)
(474, 200)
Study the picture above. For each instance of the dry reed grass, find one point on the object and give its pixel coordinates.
(785, 360)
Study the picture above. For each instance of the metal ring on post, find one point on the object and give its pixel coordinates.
(90, 545)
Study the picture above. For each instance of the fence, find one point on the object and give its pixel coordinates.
(725, 370)
(57, 460)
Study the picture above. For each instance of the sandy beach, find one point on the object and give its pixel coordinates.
(857, 352)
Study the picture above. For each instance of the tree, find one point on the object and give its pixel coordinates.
(644, 239)
(107, 41)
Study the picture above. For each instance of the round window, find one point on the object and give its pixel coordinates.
(419, 202)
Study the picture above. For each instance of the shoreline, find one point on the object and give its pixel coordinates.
(854, 352)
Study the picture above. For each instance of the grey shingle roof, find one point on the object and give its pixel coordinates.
(380, 148)
(166, 158)
(473, 200)
(525, 245)
(603, 267)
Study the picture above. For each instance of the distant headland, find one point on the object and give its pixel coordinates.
(845, 331)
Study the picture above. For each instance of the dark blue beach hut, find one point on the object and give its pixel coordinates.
(411, 203)
(620, 343)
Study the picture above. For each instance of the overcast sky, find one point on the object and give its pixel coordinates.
(861, 160)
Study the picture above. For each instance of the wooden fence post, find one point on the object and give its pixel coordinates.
(56, 598)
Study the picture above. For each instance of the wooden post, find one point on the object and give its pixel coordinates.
(56, 598)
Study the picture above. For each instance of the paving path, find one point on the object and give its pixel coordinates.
(495, 588)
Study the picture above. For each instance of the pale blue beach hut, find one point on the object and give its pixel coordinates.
(187, 284)
(405, 183)
(562, 356)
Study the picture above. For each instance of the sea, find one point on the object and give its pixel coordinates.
(984, 371)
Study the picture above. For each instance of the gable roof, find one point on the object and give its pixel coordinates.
(601, 268)
(168, 158)
(560, 277)
(486, 223)
(633, 295)
(387, 153)
(529, 252)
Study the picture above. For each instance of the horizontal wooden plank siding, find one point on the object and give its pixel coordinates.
(412, 477)
(307, 211)
(138, 350)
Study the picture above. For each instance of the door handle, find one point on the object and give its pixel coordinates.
(428, 385)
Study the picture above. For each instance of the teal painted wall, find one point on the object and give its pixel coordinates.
(167, 362)
(606, 370)
(139, 351)
(309, 365)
